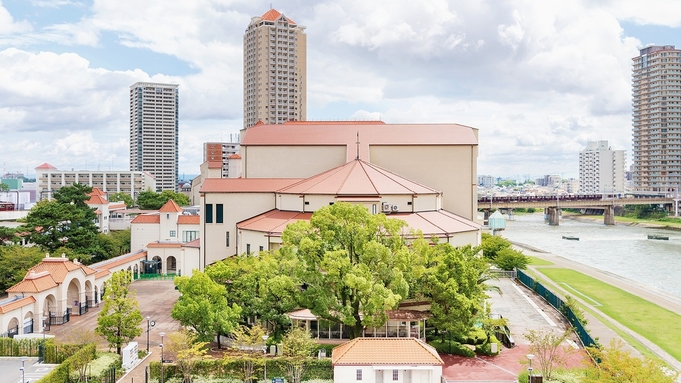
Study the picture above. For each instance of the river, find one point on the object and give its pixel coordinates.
(622, 250)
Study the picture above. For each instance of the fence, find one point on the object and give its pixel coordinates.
(156, 277)
(559, 305)
(59, 320)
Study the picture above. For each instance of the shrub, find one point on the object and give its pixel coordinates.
(452, 347)
(509, 259)
(486, 348)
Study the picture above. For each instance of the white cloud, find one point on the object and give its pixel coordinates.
(9, 26)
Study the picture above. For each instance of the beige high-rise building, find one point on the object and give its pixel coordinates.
(657, 119)
(154, 132)
(275, 70)
(601, 169)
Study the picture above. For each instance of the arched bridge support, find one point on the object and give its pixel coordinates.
(486, 213)
(609, 215)
(554, 216)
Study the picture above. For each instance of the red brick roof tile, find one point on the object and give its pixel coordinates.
(372, 351)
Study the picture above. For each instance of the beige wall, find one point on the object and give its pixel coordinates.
(237, 207)
(141, 234)
(290, 161)
(448, 168)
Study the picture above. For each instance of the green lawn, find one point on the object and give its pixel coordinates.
(657, 324)
(670, 223)
(534, 261)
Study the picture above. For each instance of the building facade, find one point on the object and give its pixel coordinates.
(275, 60)
(49, 179)
(220, 152)
(601, 169)
(657, 119)
(154, 130)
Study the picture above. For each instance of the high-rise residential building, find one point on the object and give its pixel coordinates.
(221, 152)
(601, 169)
(657, 119)
(154, 132)
(275, 70)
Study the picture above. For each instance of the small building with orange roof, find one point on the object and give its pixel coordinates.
(374, 360)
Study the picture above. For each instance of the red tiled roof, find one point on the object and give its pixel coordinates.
(97, 191)
(9, 306)
(46, 166)
(273, 222)
(170, 207)
(245, 185)
(372, 351)
(195, 243)
(164, 244)
(34, 285)
(147, 218)
(273, 15)
(113, 262)
(234, 156)
(357, 178)
(370, 133)
(189, 220)
(96, 199)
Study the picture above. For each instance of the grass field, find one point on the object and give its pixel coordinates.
(534, 261)
(655, 323)
(661, 223)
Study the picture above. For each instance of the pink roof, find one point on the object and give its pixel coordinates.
(432, 223)
(371, 351)
(273, 222)
(170, 207)
(195, 243)
(46, 166)
(370, 133)
(357, 178)
(245, 185)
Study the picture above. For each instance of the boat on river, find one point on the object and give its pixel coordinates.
(570, 238)
(659, 237)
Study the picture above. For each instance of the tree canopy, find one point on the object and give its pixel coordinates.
(66, 221)
(122, 197)
(203, 306)
(15, 261)
(120, 318)
(153, 201)
(352, 264)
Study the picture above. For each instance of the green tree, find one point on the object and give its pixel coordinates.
(8, 235)
(187, 350)
(247, 341)
(154, 201)
(15, 261)
(120, 318)
(352, 264)
(618, 365)
(298, 347)
(509, 259)
(122, 197)
(548, 350)
(265, 286)
(452, 284)
(203, 307)
(65, 221)
(4, 187)
(492, 244)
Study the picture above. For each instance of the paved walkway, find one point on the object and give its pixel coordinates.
(156, 299)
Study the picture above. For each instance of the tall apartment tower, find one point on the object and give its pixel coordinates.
(275, 70)
(601, 169)
(154, 132)
(657, 119)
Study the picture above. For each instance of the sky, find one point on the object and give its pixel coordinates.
(537, 78)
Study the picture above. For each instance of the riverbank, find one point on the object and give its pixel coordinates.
(599, 305)
(624, 221)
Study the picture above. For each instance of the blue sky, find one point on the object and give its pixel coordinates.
(539, 79)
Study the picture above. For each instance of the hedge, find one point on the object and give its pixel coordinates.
(232, 368)
(60, 374)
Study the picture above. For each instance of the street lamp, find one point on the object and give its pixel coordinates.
(529, 369)
(23, 379)
(150, 324)
(161, 345)
(264, 355)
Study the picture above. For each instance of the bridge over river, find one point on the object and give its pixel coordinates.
(553, 204)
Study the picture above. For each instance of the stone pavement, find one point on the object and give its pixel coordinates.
(156, 299)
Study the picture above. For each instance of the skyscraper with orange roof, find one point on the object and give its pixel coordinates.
(275, 70)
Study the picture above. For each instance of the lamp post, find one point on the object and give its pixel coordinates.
(529, 369)
(23, 380)
(161, 345)
(264, 355)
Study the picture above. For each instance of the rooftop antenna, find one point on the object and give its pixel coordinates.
(357, 158)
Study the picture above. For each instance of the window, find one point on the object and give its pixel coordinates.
(261, 248)
(209, 213)
(396, 375)
(248, 248)
(218, 213)
(227, 239)
(172, 233)
(188, 236)
(359, 374)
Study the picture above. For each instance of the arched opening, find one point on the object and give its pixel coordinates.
(171, 265)
(135, 272)
(89, 294)
(28, 323)
(97, 296)
(12, 328)
(157, 265)
(73, 297)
